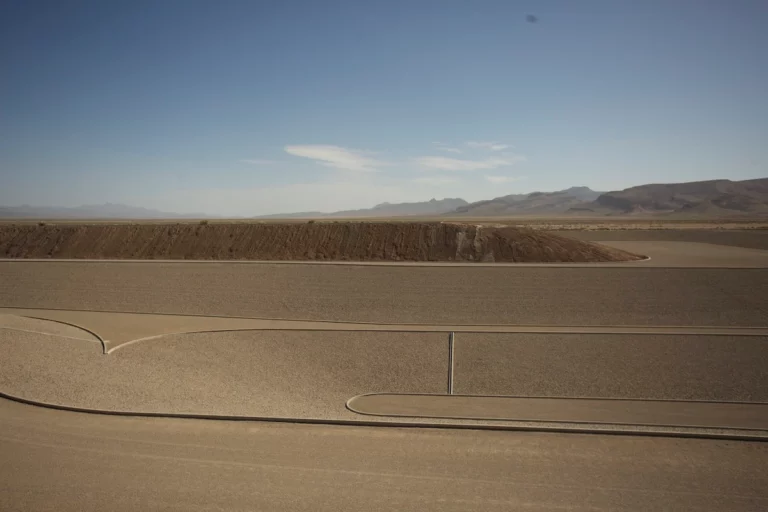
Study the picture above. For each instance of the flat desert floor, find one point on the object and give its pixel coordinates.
(515, 376)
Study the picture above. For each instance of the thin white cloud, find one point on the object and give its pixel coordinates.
(489, 145)
(442, 163)
(503, 179)
(436, 180)
(258, 161)
(336, 157)
(444, 147)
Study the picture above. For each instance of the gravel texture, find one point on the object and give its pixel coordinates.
(396, 294)
(751, 238)
(286, 374)
(699, 367)
(67, 462)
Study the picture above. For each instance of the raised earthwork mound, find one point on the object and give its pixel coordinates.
(326, 241)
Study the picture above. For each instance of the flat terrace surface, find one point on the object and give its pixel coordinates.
(627, 295)
(748, 238)
(311, 374)
(121, 464)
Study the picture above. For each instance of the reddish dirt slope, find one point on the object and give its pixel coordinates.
(345, 241)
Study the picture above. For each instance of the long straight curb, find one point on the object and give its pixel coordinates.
(464, 328)
(414, 263)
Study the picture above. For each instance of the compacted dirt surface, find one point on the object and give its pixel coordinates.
(748, 238)
(329, 241)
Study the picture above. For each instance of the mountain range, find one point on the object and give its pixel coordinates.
(534, 203)
(431, 207)
(713, 198)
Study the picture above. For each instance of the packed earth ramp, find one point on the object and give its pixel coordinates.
(306, 241)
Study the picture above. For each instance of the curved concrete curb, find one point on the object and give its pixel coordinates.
(362, 423)
(351, 407)
(92, 333)
(62, 336)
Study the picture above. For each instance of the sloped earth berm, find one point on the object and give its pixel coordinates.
(323, 241)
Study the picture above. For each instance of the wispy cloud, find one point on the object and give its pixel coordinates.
(435, 180)
(442, 163)
(503, 179)
(489, 145)
(444, 147)
(336, 157)
(258, 161)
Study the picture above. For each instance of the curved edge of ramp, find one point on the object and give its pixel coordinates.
(407, 363)
(49, 326)
(728, 434)
(599, 411)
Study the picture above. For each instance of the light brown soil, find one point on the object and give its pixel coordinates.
(748, 238)
(342, 241)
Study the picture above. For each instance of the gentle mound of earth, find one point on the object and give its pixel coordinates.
(340, 241)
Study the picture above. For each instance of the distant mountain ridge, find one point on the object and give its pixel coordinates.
(713, 198)
(431, 207)
(530, 204)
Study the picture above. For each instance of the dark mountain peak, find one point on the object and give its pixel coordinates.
(539, 203)
(709, 197)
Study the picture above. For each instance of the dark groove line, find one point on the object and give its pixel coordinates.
(361, 423)
(566, 422)
(93, 333)
(735, 328)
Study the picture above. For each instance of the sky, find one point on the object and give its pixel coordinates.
(242, 108)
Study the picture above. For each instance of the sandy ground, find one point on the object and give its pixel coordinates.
(693, 254)
(446, 295)
(118, 330)
(263, 373)
(54, 460)
(312, 374)
(609, 366)
(749, 238)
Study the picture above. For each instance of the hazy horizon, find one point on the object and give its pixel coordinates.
(252, 108)
(107, 203)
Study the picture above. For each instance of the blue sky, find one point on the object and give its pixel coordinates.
(253, 107)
